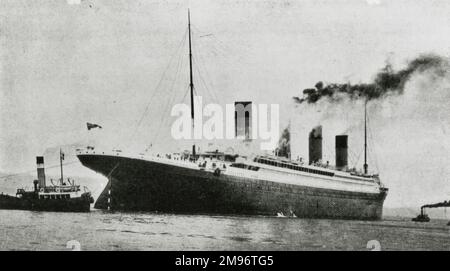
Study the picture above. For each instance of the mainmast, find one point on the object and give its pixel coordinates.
(191, 83)
(365, 138)
(61, 157)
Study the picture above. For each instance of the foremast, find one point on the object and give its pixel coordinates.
(366, 166)
(191, 81)
(61, 158)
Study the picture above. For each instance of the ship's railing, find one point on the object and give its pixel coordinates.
(184, 160)
(168, 158)
(61, 189)
(281, 163)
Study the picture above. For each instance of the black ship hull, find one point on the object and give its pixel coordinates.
(141, 185)
(81, 204)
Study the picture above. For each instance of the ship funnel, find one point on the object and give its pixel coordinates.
(341, 152)
(40, 171)
(243, 120)
(315, 145)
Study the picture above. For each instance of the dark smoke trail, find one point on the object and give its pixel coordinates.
(385, 82)
(437, 205)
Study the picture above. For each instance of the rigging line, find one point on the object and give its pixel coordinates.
(166, 113)
(178, 66)
(327, 148)
(353, 163)
(209, 89)
(185, 94)
(213, 97)
(203, 81)
(193, 90)
(358, 157)
(374, 150)
(200, 61)
(159, 83)
(372, 157)
(222, 48)
(172, 88)
(215, 52)
(172, 97)
(203, 67)
(219, 53)
(351, 157)
(355, 159)
(165, 120)
(372, 144)
(156, 136)
(171, 91)
(220, 45)
(355, 156)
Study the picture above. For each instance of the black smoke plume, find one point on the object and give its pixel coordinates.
(386, 81)
(437, 205)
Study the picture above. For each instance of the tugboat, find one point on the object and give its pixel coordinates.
(63, 197)
(423, 217)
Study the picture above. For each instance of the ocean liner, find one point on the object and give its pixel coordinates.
(226, 183)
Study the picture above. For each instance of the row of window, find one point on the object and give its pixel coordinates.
(293, 167)
(244, 166)
(62, 196)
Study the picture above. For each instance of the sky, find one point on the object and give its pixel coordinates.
(68, 62)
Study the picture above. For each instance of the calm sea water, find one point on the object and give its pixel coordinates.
(98, 230)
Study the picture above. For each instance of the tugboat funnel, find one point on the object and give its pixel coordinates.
(40, 171)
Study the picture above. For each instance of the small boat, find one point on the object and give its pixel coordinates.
(291, 214)
(422, 217)
(63, 197)
(280, 214)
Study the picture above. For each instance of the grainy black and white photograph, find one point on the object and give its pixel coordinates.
(224, 125)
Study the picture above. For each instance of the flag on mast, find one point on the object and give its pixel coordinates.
(92, 126)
